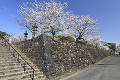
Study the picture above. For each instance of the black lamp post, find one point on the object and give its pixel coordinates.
(34, 30)
(25, 35)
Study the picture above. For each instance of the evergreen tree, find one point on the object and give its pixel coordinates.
(3, 34)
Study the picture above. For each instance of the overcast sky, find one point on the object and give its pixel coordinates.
(107, 13)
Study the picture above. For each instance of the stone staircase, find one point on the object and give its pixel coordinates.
(11, 69)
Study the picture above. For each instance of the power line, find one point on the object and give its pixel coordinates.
(8, 9)
(3, 8)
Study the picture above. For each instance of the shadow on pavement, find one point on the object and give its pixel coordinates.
(104, 64)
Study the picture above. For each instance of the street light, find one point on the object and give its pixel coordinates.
(25, 35)
(34, 30)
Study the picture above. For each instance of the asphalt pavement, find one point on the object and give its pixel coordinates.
(108, 69)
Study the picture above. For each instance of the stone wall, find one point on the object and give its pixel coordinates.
(57, 58)
(70, 57)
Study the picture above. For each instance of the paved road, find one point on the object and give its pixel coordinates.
(108, 69)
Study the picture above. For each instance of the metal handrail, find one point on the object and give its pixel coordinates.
(20, 56)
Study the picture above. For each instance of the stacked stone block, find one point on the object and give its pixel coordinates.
(58, 57)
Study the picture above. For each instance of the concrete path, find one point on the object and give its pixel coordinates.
(108, 69)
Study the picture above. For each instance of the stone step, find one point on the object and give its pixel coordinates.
(4, 50)
(5, 72)
(14, 63)
(10, 68)
(6, 68)
(35, 76)
(11, 60)
(20, 75)
(6, 56)
(8, 62)
(3, 61)
(7, 59)
(11, 71)
(8, 65)
(11, 75)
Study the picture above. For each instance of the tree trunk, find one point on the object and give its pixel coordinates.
(79, 38)
(53, 34)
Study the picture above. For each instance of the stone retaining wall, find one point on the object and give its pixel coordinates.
(57, 58)
(70, 57)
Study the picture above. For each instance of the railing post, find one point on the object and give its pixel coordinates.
(9, 47)
(13, 54)
(18, 58)
(33, 75)
(2, 40)
(24, 67)
(4, 43)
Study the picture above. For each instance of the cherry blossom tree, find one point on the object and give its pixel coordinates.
(17, 37)
(81, 27)
(118, 48)
(98, 42)
(49, 16)
(94, 40)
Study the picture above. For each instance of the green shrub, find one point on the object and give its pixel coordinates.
(82, 42)
(3, 34)
(61, 37)
(91, 45)
(112, 46)
(69, 38)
